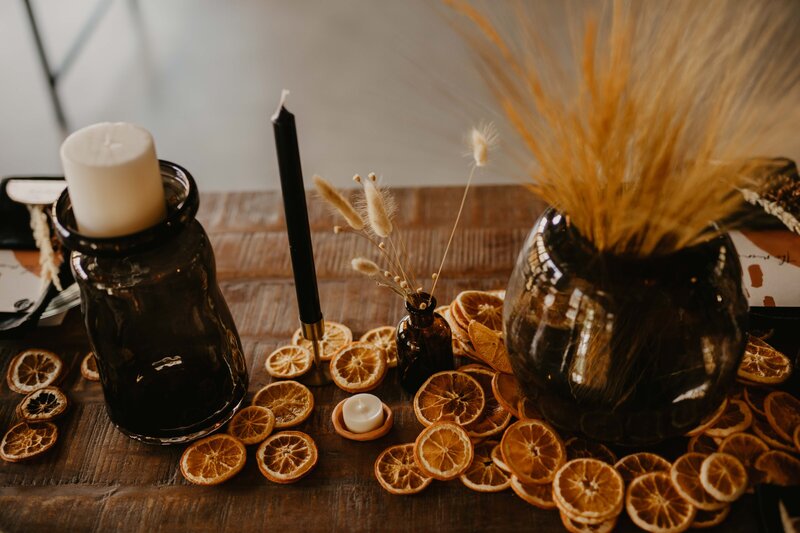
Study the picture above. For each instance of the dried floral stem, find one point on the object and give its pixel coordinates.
(452, 232)
(390, 261)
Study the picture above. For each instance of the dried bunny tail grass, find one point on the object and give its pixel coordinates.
(377, 208)
(644, 138)
(334, 198)
(366, 267)
(481, 140)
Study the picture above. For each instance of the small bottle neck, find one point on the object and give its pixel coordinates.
(421, 309)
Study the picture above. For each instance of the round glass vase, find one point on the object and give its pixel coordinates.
(624, 350)
(168, 353)
(424, 343)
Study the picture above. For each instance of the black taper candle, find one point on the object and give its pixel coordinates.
(294, 207)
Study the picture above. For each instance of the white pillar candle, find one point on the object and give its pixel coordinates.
(362, 413)
(113, 179)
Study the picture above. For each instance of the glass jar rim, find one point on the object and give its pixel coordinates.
(182, 207)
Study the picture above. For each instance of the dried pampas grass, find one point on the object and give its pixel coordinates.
(644, 135)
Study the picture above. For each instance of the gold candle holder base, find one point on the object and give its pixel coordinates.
(320, 375)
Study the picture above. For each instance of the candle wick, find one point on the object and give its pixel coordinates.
(284, 94)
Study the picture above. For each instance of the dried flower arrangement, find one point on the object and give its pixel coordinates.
(644, 137)
(372, 218)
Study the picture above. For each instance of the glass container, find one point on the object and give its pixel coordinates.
(168, 353)
(424, 343)
(624, 350)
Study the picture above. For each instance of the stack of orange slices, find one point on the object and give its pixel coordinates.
(34, 374)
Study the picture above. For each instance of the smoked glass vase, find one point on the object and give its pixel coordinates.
(168, 353)
(424, 343)
(623, 350)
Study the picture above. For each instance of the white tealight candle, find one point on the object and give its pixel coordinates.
(114, 179)
(362, 413)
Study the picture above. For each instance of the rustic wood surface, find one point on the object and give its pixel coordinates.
(96, 479)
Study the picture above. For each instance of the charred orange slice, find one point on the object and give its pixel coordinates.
(42, 404)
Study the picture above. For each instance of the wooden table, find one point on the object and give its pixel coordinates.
(96, 479)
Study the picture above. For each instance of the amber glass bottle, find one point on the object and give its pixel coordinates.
(424, 343)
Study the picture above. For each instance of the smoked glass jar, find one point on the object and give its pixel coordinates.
(424, 343)
(168, 353)
(624, 350)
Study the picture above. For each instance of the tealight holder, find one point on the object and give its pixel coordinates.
(338, 424)
(169, 356)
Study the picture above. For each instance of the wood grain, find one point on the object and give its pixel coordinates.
(96, 479)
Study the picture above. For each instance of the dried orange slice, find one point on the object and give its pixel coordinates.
(573, 526)
(588, 491)
(290, 402)
(765, 432)
(754, 397)
(723, 476)
(497, 457)
(358, 367)
(747, 448)
(42, 404)
(449, 395)
(506, 390)
(710, 420)
(287, 456)
(763, 364)
(385, 339)
(736, 417)
(336, 336)
(580, 448)
(89, 367)
(537, 494)
(638, 464)
(685, 475)
(779, 468)
(252, 424)
(398, 472)
(655, 505)
(212, 460)
(493, 419)
(527, 410)
(481, 306)
(783, 413)
(706, 519)
(33, 369)
(288, 362)
(797, 438)
(489, 347)
(26, 440)
(533, 451)
(443, 450)
(703, 444)
(483, 475)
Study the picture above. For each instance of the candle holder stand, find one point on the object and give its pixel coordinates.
(320, 375)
